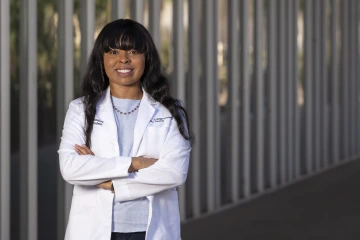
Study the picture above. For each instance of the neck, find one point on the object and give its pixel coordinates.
(128, 92)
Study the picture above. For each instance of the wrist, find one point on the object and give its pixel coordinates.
(133, 165)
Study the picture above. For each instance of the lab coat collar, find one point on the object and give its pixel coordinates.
(105, 100)
(147, 109)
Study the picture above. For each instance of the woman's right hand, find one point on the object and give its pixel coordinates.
(138, 163)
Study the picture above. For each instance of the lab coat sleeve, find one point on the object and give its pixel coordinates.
(85, 169)
(168, 172)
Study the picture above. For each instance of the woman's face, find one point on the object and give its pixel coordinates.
(124, 68)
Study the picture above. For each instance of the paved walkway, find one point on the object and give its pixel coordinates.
(325, 206)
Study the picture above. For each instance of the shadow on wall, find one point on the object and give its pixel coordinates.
(47, 183)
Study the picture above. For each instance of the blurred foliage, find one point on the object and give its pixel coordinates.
(47, 51)
(47, 20)
(14, 72)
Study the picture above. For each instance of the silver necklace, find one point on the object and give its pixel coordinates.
(124, 113)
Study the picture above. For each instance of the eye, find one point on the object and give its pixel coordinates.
(113, 52)
(133, 52)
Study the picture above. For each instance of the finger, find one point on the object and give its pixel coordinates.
(88, 150)
(84, 150)
(80, 150)
(105, 185)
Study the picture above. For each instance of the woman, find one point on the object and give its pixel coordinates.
(125, 144)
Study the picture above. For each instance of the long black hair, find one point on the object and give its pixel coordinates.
(126, 34)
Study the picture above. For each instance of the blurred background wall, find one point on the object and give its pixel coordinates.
(271, 87)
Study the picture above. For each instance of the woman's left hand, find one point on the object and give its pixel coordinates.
(84, 150)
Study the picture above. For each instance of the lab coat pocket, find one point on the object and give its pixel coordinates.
(155, 139)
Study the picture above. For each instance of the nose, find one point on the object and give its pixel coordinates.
(123, 57)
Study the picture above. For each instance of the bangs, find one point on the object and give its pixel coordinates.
(124, 38)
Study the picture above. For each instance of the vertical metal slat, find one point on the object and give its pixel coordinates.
(212, 103)
(290, 92)
(295, 90)
(137, 10)
(118, 9)
(233, 90)
(345, 80)
(195, 104)
(316, 84)
(87, 25)
(28, 121)
(324, 84)
(335, 156)
(352, 85)
(245, 97)
(282, 93)
(65, 93)
(5, 120)
(179, 76)
(178, 42)
(259, 96)
(357, 75)
(308, 86)
(216, 110)
(154, 21)
(272, 63)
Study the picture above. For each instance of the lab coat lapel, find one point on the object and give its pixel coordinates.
(147, 109)
(106, 113)
(146, 112)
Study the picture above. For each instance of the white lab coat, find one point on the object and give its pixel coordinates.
(156, 135)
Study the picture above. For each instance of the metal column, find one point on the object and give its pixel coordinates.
(272, 65)
(291, 84)
(179, 73)
(28, 121)
(296, 117)
(308, 98)
(345, 80)
(194, 44)
(65, 93)
(216, 109)
(324, 85)
(233, 93)
(5, 184)
(245, 97)
(118, 8)
(282, 92)
(87, 26)
(335, 156)
(154, 21)
(137, 10)
(259, 82)
(357, 71)
(316, 83)
(352, 85)
(178, 43)
(212, 108)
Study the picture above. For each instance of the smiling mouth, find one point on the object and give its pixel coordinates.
(124, 70)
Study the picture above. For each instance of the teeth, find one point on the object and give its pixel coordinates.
(124, 70)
